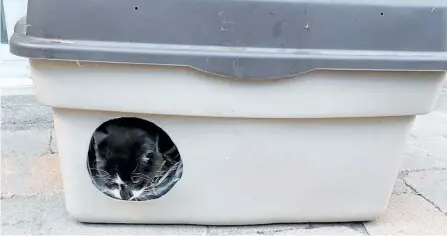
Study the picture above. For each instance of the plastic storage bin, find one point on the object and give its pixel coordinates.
(281, 111)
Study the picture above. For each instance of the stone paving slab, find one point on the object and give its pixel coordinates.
(432, 185)
(427, 144)
(419, 157)
(400, 187)
(409, 214)
(432, 125)
(25, 143)
(34, 176)
(24, 112)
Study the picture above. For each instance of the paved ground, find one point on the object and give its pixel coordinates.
(32, 201)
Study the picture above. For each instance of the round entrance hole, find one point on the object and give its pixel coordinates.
(133, 159)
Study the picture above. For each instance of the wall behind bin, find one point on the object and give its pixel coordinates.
(11, 12)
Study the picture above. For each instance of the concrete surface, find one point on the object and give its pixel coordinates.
(432, 186)
(409, 214)
(32, 193)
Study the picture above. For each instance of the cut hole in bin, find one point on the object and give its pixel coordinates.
(133, 159)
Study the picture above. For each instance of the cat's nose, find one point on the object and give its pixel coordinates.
(125, 195)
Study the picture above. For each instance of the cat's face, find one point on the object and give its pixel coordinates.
(123, 159)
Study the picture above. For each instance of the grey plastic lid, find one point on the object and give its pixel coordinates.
(240, 38)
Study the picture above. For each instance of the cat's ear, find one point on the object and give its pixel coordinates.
(99, 136)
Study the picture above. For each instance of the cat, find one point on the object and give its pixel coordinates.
(126, 157)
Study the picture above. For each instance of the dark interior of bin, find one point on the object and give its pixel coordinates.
(133, 159)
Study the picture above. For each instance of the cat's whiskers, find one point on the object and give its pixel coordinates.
(107, 181)
(100, 170)
(104, 176)
(135, 168)
(139, 175)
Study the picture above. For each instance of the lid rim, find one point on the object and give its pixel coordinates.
(283, 63)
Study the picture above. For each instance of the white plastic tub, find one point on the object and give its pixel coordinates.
(323, 146)
(281, 111)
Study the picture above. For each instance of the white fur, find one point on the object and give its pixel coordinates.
(136, 193)
(114, 192)
(145, 157)
(118, 180)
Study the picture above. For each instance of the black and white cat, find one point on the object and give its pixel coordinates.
(128, 157)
